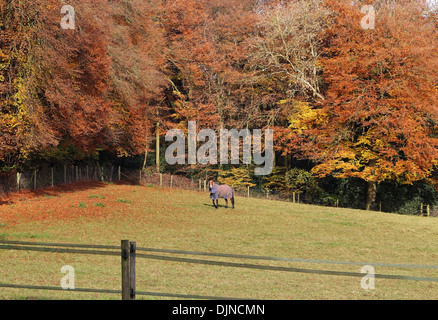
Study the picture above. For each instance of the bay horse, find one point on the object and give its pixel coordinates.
(220, 191)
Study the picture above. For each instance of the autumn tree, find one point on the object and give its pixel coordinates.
(207, 55)
(74, 69)
(285, 58)
(288, 46)
(379, 116)
(92, 86)
(137, 75)
(24, 124)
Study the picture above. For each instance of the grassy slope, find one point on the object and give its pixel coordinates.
(163, 218)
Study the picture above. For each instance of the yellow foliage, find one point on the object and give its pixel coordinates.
(302, 117)
(238, 178)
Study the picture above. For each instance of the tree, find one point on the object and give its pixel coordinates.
(238, 178)
(286, 61)
(207, 52)
(92, 87)
(24, 126)
(288, 46)
(379, 118)
(137, 78)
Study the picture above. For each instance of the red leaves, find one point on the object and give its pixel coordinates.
(65, 203)
(371, 94)
(68, 82)
(379, 95)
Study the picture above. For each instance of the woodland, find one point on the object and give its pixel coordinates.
(354, 110)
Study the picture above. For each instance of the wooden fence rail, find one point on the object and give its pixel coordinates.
(128, 252)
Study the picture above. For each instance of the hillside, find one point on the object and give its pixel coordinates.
(175, 219)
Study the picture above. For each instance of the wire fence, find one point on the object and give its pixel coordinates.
(68, 174)
(139, 252)
(56, 176)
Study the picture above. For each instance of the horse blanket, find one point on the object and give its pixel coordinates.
(221, 191)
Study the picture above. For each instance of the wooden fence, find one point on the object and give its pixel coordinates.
(129, 252)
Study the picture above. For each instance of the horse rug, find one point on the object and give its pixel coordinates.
(221, 191)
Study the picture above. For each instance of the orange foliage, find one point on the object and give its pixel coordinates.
(381, 100)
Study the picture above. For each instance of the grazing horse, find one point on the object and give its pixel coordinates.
(220, 191)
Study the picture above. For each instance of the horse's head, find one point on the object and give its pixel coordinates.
(210, 184)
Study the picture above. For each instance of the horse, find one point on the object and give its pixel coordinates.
(220, 191)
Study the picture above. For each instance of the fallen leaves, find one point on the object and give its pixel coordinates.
(65, 203)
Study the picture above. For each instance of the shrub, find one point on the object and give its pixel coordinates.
(239, 178)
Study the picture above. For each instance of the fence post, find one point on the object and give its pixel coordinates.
(18, 181)
(171, 180)
(35, 180)
(65, 174)
(119, 174)
(133, 247)
(52, 176)
(128, 270)
(161, 179)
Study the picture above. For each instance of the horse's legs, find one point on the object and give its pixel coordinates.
(215, 204)
(226, 203)
(232, 201)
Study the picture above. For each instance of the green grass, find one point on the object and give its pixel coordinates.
(124, 201)
(96, 196)
(185, 220)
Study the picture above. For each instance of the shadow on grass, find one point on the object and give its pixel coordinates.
(220, 205)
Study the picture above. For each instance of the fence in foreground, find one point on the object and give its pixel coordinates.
(129, 252)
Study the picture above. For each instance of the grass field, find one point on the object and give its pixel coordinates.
(104, 214)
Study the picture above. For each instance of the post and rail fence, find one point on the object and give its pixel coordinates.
(129, 252)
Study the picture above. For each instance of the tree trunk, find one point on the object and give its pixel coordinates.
(157, 148)
(221, 127)
(157, 143)
(145, 153)
(145, 158)
(371, 194)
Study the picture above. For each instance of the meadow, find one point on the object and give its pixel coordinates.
(165, 218)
